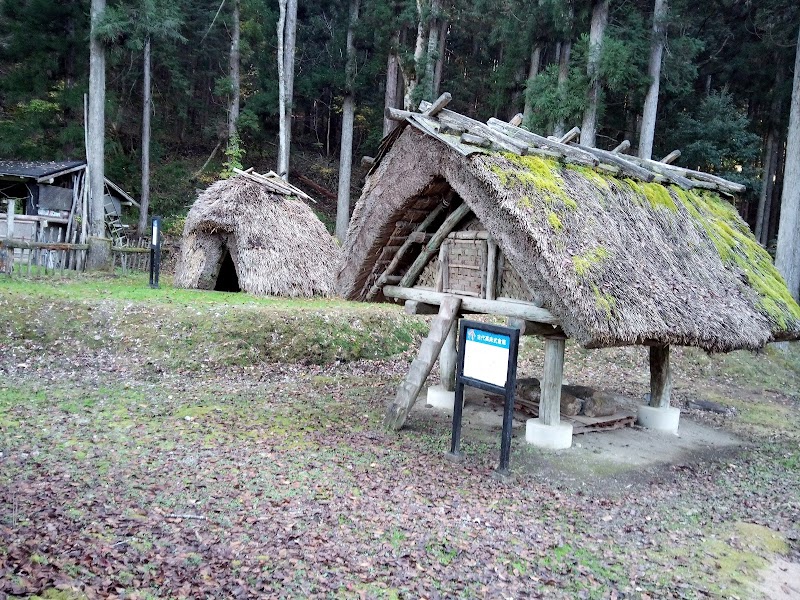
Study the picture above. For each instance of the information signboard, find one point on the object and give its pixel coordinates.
(486, 356)
(487, 359)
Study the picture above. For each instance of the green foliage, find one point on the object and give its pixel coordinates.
(234, 153)
(716, 138)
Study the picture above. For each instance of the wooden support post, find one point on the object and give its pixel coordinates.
(407, 393)
(10, 218)
(443, 276)
(448, 358)
(660, 377)
(491, 270)
(550, 405)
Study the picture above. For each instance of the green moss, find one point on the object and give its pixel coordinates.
(537, 173)
(605, 301)
(583, 263)
(738, 248)
(738, 558)
(591, 175)
(657, 195)
(554, 221)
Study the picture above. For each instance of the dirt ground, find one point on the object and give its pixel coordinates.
(181, 471)
(625, 450)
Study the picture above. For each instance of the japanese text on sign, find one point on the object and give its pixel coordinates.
(486, 356)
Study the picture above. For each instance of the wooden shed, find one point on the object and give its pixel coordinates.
(53, 198)
(458, 216)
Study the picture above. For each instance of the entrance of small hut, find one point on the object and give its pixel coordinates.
(227, 279)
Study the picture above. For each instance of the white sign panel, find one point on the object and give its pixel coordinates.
(486, 356)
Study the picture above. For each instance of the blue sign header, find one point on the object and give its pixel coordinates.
(488, 338)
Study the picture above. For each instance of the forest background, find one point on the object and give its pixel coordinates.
(724, 98)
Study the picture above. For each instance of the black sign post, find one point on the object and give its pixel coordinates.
(155, 252)
(487, 359)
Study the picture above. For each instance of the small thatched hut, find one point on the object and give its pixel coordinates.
(576, 242)
(253, 233)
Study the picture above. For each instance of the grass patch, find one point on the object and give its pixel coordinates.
(737, 557)
(194, 330)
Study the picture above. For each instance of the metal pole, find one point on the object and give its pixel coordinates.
(508, 409)
(155, 252)
(458, 407)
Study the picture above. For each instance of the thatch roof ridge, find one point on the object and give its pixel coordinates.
(279, 245)
(616, 260)
(469, 136)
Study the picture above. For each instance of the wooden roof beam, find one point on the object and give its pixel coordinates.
(538, 141)
(437, 106)
(623, 147)
(519, 310)
(630, 168)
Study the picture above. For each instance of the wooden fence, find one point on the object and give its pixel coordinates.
(55, 257)
(135, 257)
(47, 257)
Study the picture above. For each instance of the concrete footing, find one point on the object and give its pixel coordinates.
(659, 419)
(438, 397)
(552, 437)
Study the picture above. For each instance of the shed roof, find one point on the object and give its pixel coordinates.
(617, 258)
(31, 169)
(44, 170)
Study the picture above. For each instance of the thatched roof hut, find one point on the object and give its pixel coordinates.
(459, 216)
(617, 260)
(253, 233)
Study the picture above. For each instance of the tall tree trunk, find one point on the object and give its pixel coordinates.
(771, 219)
(437, 75)
(596, 33)
(765, 197)
(411, 72)
(434, 23)
(287, 27)
(95, 150)
(144, 203)
(348, 111)
(392, 73)
(787, 256)
(233, 110)
(654, 72)
(533, 71)
(772, 151)
(563, 76)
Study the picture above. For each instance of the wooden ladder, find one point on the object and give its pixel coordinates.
(115, 227)
(429, 351)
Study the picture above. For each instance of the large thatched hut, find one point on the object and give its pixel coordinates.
(253, 233)
(566, 241)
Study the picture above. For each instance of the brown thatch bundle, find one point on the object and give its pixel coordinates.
(277, 244)
(617, 261)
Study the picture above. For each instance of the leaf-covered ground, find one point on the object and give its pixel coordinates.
(173, 468)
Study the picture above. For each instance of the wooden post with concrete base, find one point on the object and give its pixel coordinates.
(658, 414)
(431, 346)
(548, 431)
(444, 394)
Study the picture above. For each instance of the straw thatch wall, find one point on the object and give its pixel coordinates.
(278, 245)
(617, 261)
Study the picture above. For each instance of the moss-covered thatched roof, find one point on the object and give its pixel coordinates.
(277, 243)
(618, 261)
